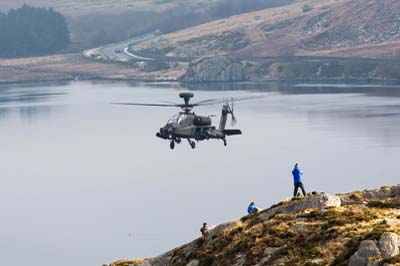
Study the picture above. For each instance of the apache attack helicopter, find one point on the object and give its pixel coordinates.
(188, 125)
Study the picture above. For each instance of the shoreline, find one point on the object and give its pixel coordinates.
(327, 82)
(75, 67)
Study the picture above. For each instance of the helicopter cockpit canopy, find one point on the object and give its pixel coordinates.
(173, 120)
(178, 119)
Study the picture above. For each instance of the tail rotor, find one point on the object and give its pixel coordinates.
(230, 111)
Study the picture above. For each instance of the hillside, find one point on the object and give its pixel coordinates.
(356, 229)
(345, 28)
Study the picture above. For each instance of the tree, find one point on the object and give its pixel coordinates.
(31, 31)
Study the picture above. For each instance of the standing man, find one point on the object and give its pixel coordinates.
(298, 182)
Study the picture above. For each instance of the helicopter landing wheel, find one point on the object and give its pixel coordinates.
(178, 140)
(172, 145)
(192, 143)
(225, 142)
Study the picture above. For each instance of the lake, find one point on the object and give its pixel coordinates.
(85, 182)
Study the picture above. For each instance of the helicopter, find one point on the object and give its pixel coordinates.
(188, 125)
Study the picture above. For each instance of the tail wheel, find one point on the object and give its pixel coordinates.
(172, 145)
(225, 142)
(193, 144)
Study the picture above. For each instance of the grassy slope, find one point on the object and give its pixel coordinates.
(328, 237)
(332, 27)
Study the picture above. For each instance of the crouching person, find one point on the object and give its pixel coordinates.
(252, 208)
(205, 229)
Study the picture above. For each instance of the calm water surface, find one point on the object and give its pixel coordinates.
(84, 182)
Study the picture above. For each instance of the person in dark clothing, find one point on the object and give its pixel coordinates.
(204, 229)
(298, 182)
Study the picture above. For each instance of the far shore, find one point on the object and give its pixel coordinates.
(75, 67)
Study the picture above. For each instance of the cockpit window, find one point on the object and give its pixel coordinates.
(173, 120)
(181, 119)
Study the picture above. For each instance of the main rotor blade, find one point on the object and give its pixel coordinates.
(150, 104)
(224, 100)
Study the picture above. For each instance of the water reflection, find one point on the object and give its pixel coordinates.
(31, 101)
(31, 113)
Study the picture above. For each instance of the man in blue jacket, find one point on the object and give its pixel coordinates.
(298, 182)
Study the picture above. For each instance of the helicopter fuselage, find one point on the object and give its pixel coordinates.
(188, 125)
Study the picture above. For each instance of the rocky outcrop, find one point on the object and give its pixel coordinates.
(229, 69)
(389, 244)
(365, 196)
(216, 69)
(368, 249)
(316, 230)
(372, 253)
(311, 202)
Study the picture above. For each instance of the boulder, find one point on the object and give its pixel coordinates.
(392, 222)
(241, 261)
(299, 228)
(310, 202)
(217, 231)
(368, 249)
(382, 193)
(389, 245)
(193, 263)
(269, 251)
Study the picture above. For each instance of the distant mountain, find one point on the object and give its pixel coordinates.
(345, 28)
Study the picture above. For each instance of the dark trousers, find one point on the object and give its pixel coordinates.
(296, 188)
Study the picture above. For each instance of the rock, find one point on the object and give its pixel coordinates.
(269, 251)
(193, 263)
(299, 228)
(389, 244)
(392, 222)
(317, 261)
(310, 202)
(375, 263)
(263, 261)
(240, 262)
(323, 211)
(282, 261)
(367, 249)
(216, 69)
(217, 231)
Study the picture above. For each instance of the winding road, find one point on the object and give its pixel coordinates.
(120, 52)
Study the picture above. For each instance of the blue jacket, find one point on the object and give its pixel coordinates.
(251, 208)
(297, 173)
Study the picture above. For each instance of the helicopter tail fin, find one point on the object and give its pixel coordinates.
(224, 117)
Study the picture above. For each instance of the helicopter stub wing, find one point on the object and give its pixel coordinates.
(230, 132)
